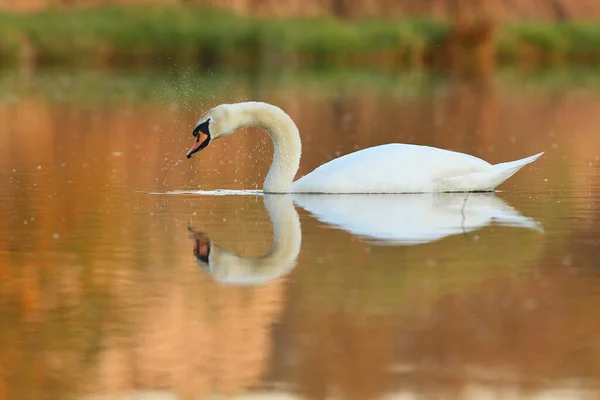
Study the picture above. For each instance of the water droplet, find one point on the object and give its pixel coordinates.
(530, 304)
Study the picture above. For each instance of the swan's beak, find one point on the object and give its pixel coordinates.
(202, 140)
(201, 246)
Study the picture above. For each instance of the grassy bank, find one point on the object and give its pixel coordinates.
(550, 43)
(200, 35)
(113, 35)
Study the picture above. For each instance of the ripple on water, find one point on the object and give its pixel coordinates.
(223, 192)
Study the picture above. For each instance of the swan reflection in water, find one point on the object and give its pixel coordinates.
(410, 219)
(385, 219)
(229, 268)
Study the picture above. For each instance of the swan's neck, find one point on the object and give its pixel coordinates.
(286, 143)
(228, 267)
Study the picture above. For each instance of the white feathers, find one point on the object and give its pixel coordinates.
(390, 168)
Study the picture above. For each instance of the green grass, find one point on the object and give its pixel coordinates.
(202, 35)
(554, 42)
(205, 37)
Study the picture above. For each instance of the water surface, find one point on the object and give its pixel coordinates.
(105, 290)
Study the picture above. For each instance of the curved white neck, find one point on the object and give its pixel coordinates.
(286, 142)
(228, 267)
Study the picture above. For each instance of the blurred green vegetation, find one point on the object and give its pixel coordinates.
(93, 85)
(186, 85)
(191, 34)
(202, 36)
(550, 42)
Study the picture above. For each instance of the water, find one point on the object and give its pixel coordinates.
(447, 296)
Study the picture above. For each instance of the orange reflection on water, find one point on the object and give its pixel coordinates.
(100, 293)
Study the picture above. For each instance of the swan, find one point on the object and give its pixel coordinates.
(389, 168)
(412, 219)
(226, 267)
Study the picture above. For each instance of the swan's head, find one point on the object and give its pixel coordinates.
(220, 121)
(224, 266)
(202, 247)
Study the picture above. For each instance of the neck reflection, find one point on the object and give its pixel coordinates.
(227, 267)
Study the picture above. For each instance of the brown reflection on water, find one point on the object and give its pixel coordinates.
(93, 321)
(141, 146)
(504, 335)
(100, 293)
(190, 342)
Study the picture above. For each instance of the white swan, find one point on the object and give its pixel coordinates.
(230, 268)
(390, 168)
(411, 219)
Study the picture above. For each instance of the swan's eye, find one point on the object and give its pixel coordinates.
(202, 128)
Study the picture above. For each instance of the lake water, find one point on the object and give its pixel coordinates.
(362, 297)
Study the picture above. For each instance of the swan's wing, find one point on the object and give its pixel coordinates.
(391, 168)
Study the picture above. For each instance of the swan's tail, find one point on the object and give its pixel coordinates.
(507, 169)
(487, 180)
(514, 166)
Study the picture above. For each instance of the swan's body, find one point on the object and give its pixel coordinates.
(391, 168)
(406, 168)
